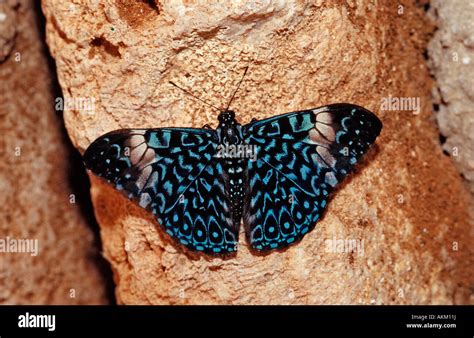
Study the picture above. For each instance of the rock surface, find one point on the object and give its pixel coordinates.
(451, 54)
(34, 179)
(406, 202)
(7, 28)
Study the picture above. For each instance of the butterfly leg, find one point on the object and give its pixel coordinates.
(206, 126)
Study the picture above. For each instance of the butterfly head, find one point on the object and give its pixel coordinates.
(229, 130)
(227, 118)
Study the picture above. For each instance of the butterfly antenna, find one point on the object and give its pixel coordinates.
(236, 89)
(194, 96)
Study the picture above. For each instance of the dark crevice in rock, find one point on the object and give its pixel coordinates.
(106, 46)
(78, 180)
(153, 4)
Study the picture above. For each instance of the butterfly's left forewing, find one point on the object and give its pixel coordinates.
(173, 173)
(301, 157)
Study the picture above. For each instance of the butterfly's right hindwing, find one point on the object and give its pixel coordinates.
(173, 173)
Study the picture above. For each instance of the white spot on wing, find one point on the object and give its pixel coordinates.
(137, 153)
(142, 179)
(326, 156)
(324, 117)
(148, 158)
(326, 131)
(145, 200)
(135, 140)
(330, 179)
(317, 138)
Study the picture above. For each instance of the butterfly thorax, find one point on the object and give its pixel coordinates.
(231, 152)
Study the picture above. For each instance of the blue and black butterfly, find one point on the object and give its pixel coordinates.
(276, 174)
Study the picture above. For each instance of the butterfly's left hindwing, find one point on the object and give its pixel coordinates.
(171, 172)
(301, 157)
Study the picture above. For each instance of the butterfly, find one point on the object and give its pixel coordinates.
(275, 175)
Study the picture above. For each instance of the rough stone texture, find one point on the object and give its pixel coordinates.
(406, 201)
(7, 28)
(451, 54)
(34, 178)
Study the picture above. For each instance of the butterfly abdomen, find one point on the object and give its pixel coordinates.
(236, 179)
